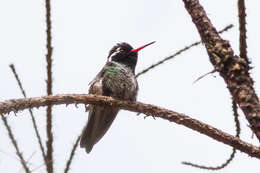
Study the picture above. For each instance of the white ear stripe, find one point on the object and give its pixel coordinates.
(113, 54)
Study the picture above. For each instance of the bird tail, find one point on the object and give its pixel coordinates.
(99, 120)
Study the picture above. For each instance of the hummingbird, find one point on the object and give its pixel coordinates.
(117, 80)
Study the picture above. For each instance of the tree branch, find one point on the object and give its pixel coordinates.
(18, 152)
(242, 30)
(49, 143)
(148, 109)
(232, 156)
(232, 68)
(35, 127)
(72, 154)
(177, 53)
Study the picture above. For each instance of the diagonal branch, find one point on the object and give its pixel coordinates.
(72, 154)
(49, 143)
(18, 152)
(148, 109)
(177, 53)
(232, 68)
(31, 113)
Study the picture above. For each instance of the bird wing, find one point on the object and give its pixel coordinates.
(100, 117)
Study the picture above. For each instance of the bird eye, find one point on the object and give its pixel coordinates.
(118, 50)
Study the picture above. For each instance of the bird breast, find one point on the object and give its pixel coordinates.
(121, 82)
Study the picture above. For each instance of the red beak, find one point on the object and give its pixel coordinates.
(140, 48)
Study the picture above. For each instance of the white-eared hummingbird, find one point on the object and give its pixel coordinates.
(116, 79)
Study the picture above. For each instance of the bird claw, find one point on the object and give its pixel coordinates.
(148, 116)
(86, 108)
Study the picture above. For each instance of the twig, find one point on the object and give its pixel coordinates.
(30, 157)
(72, 154)
(242, 30)
(15, 158)
(178, 53)
(147, 109)
(232, 156)
(233, 69)
(211, 72)
(38, 167)
(17, 79)
(11, 136)
(236, 115)
(9, 155)
(49, 143)
(213, 168)
(31, 113)
(28, 160)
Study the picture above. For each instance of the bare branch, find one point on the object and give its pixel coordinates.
(72, 154)
(49, 143)
(11, 136)
(49, 47)
(18, 80)
(236, 115)
(177, 53)
(31, 113)
(242, 30)
(213, 168)
(232, 156)
(233, 69)
(148, 109)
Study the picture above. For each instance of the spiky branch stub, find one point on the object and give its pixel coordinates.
(148, 109)
(232, 68)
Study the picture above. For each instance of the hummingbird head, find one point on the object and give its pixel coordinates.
(125, 54)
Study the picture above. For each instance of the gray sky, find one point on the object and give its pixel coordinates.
(83, 33)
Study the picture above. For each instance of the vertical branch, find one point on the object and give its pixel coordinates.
(242, 30)
(31, 113)
(11, 136)
(235, 108)
(49, 142)
(242, 49)
(72, 154)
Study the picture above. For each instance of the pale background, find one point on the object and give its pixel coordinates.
(83, 33)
